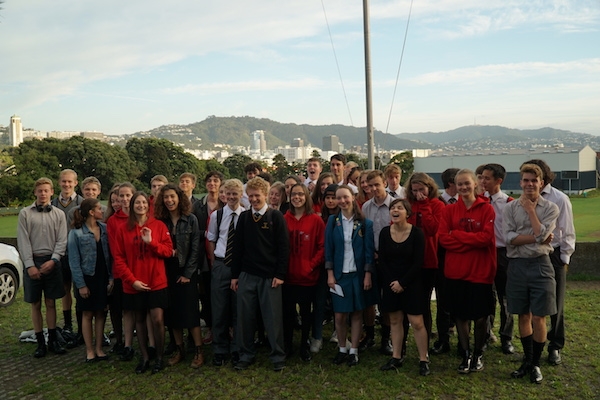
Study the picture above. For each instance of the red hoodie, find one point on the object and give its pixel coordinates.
(137, 261)
(307, 249)
(470, 243)
(426, 215)
(113, 227)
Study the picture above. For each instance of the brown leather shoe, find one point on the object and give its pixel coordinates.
(177, 357)
(198, 360)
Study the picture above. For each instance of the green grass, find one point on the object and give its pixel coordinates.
(8, 226)
(66, 377)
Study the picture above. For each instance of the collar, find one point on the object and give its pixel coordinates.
(70, 198)
(262, 211)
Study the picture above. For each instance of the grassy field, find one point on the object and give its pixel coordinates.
(67, 377)
(585, 210)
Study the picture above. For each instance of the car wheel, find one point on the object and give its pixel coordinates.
(8, 286)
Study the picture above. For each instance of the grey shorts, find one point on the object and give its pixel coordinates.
(51, 285)
(531, 287)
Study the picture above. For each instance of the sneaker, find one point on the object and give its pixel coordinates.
(424, 368)
(476, 363)
(208, 337)
(334, 338)
(219, 360)
(315, 345)
(106, 340)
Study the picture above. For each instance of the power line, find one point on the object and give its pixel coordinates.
(337, 64)
(399, 66)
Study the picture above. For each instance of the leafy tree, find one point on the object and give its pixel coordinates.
(161, 157)
(282, 168)
(406, 162)
(235, 165)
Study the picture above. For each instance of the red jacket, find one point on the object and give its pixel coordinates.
(113, 227)
(137, 261)
(470, 243)
(307, 249)
(426, 215)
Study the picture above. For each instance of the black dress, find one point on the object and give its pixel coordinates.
(402, 262)
(183, 311)
(97, 284)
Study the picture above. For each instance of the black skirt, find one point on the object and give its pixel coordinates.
(184, 306)
(468, 300)
(97, 284)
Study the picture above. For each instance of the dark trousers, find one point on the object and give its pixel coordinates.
(224, 309)
(304, 296)
(506, 319)
(443, 321)
(556, 334)
(256, 293)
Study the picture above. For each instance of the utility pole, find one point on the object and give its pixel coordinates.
(370, 140)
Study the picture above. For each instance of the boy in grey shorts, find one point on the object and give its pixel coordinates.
(530, 290)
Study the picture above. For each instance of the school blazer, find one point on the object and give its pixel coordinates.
(363, 245)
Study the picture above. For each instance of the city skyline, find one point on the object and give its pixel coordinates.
(90, 68)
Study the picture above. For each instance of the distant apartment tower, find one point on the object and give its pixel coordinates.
(15, 131)
(258, 141)
(297, 142)
(331, 143)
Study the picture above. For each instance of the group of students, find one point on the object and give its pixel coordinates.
(257, 254)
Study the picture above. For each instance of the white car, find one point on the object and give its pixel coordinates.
(11, 274)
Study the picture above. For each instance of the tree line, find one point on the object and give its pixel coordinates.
(137, 163)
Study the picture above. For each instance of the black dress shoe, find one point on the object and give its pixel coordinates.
(118, 348)
(242, 365)
(554, 357)
(90, 360)
(40, 351)
(392, 364)
(440, 348)
(507, 347)
(158, 366)
(366, 343)
(523, 370)
(340, 358)
(235, 357)
(219, 360)
(142, 366)
(127, 354)
(56, 348)
(352, 360)
(102, 358)
(278, 366)
(151, 352)
(424, 368)
(535, 376)
(305, 353)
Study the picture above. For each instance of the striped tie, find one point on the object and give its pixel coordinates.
(230, 236)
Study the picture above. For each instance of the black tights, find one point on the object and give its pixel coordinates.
(463, 327)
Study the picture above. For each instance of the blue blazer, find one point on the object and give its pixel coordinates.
(363, 244)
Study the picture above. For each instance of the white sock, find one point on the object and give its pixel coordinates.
(343, 350)
(354, 350)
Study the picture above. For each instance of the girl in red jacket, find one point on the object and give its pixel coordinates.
(307, 252)
(467, 233)
(143, 244)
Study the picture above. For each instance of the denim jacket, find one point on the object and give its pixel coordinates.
(82, 253)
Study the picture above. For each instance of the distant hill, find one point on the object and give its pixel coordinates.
(235, 131)
(474, 137)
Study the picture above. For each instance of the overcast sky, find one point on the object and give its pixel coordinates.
(124, 66)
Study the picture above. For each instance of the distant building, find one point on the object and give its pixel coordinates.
(575, 169)
(93, 135)
(331, 143)
(15, 131)
(259, 143)
(297, 142)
